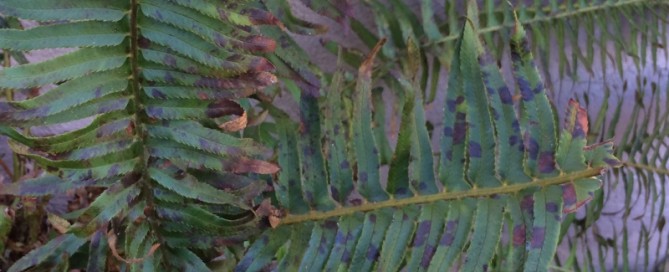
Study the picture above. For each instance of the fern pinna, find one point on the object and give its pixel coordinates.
(160, 81)
(496, 165)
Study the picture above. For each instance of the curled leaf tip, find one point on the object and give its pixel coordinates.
(366, 66)
(112, 239)
(236, 124)
(266, 209)
(577, 123)
(265, 79)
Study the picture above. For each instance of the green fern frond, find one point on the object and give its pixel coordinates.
(157, 78)
(493, 166)
(640, 180)
(603, 23)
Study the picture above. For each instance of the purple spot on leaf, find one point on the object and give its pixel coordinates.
(170, 61)
(449, 154)
(519, 235)
(331, 225)
(362, 176)
(427, 256)
(527, 203)
(158, 14)
(113, 171)
(538, 236)
(346, 256)
(220, 40)
(98, 92)
(525, 89)
(340, 239)
(546, 162)
(447, 239)
(505, 95)
(513, 140)
(449, 234)
(158, 94)
(448, 131)
(532, 148)
(422, 233)
(335, 192)
(372, 253)
(459, 132)
(569, 194)
(450, 104)
(475, 149)
(612, 162)
(539, 88)
(551, 207)
(402, 191)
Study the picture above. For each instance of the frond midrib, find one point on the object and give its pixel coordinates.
(139, 129)
(648, 167)
(507, 188)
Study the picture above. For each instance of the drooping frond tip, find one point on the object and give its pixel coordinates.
(367, 65)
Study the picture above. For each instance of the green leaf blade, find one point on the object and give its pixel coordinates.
(77, 34)
(74, 10)
(366, 150)
(65, 244)
(70, 66)
(189, 187)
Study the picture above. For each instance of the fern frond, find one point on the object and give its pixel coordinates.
(640, 182)
(561, 21)
(156, 78)
(409, 224)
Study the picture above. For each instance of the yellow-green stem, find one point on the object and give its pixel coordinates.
(475, 192)
(653, 169)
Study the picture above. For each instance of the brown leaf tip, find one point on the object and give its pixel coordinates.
(236, 124)
(366, 66)
(273, 214)
(577, 123)
(246, 165)
(260, 44)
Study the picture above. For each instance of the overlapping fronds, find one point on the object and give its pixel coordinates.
(498, 169)
(597, 33)
(645, 171)
(159, 86)
(638, 118)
